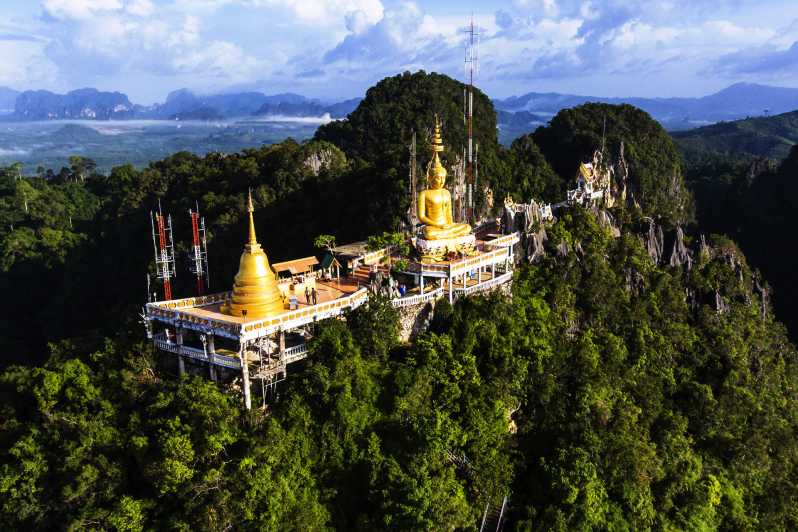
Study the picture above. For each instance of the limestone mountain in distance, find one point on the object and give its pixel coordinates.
(516, 114)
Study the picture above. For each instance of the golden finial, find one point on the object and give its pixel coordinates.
(252, 238)
(437, 141)
(435, 168)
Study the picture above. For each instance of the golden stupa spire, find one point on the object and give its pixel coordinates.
(252, 238)
(255, 292)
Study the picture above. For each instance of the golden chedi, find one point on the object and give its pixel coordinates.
(255, 292)
(435, 203)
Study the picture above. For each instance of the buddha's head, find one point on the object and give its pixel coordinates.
(436, 175)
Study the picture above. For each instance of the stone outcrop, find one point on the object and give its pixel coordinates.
(508, 220)
(654, 241)
(318, 160)
(720, 304)
(606, 221)
(680, 255)
(764, 296)
(536, 245)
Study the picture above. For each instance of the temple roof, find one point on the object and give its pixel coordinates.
(296, 266)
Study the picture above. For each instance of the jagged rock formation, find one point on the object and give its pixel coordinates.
(680, 255)
(318, 160)
(536, 245)
(654, 241)
(720, 304)
(606, 221)
(764, 296)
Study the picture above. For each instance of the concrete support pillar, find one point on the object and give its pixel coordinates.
(245, 377)
(421, 283)
(282, 344)
(209, 351)
(451, 290)
(492, 270)
(179, 341)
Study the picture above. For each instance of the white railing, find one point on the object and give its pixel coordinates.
(160, 342)
(417, 299)
(504, 241)
(483, 259)
(295, 353)
(487, 285)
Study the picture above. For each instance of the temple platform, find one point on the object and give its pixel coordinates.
(203, 313)
(437, 249)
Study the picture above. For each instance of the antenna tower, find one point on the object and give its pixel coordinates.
(199, 252)
(471, 68)
(164, 248)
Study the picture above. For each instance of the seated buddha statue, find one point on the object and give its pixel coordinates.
(435, 203)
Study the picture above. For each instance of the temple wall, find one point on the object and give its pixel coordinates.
(414, 319)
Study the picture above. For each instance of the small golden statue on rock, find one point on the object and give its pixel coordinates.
(440, 234)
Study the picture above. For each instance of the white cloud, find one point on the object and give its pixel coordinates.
(78, 9)
(327, 12)
(351, 43)
(25, 62)
(140, 8)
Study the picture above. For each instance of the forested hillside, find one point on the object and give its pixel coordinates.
(761, 137)
(611, 391)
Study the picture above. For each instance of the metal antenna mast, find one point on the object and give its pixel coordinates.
(164, 248)
(471, 68)
(199, 248)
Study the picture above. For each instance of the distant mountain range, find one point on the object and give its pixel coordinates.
(91, 104)
(516, 115)
(521, 114)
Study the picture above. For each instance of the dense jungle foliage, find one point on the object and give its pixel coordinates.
(610, 392)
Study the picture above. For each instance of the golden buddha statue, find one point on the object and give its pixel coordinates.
(255, 292)
(435, 203)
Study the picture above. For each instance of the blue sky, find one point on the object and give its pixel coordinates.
(334, 49)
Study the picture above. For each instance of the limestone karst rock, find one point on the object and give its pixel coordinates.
(680, 255)
(536, 245)
(606, 221)
(764, 296)
(654, 241)
(720, 305)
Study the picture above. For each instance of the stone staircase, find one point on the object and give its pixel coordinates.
(361, 274)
